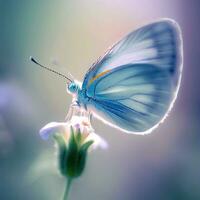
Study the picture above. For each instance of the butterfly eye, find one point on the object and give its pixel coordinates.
(72, 88)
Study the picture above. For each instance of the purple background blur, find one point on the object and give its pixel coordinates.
(164, 165)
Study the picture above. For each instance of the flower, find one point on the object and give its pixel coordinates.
(74, 137)
(78, 119)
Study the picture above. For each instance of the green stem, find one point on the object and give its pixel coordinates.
(67, 188)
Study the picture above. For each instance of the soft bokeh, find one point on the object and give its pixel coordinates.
(72, 34)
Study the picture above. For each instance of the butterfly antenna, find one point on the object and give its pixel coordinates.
(68, 73)
(49, 69)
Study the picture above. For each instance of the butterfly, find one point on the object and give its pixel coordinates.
(134, 85)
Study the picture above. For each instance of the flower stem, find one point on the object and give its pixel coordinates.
(67, 188)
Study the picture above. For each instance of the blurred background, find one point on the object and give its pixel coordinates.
(72, 34)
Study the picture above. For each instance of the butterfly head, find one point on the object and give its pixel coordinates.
(73, 87)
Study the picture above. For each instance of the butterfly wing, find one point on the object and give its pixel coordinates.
(135, 84)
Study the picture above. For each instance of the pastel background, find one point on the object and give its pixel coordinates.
(72, 34)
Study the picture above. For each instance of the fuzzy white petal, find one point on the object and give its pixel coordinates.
(52, 128)
(98, 141)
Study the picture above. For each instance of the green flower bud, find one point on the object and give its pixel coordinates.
(72, 154)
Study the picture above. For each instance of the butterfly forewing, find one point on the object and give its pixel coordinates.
(135, 84)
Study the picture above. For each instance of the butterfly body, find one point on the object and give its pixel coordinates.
(134, 85)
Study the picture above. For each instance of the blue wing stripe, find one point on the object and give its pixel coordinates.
(125, 116)
(149, 73)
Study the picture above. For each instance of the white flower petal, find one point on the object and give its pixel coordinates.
(98, 141)
(52, 128)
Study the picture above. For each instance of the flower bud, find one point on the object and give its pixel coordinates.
(74, 137)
